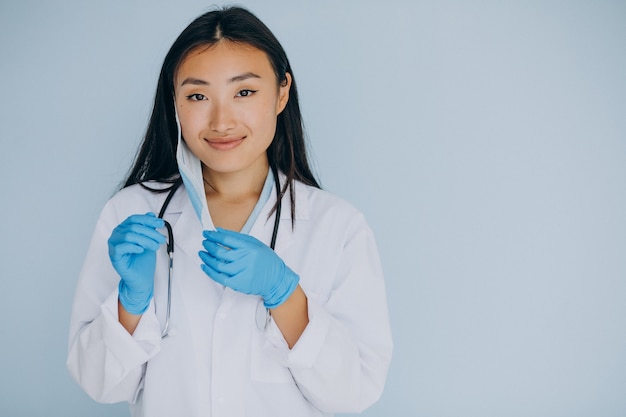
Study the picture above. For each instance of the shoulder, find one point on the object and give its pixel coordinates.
(136, 199)
(322, 199)
(140, 194)
(323, 206)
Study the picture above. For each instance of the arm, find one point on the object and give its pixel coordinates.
(126, 319)
(292, 316)
(341, 359)
(247, 265)
(105, 360)
(340, 345)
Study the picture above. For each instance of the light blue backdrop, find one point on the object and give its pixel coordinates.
(485, 141)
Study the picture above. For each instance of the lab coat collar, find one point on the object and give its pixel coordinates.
(188, 230)
(185, 223)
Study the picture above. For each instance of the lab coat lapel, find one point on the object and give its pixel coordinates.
(187, 230)
(264, 224)
(189, 236)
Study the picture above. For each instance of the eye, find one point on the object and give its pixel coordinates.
(246, 93)
(196, 97)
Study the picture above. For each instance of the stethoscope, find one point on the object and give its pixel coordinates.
(261, 323)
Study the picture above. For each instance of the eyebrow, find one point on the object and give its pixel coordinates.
(243, 77)
(194, 81)
(236, 78)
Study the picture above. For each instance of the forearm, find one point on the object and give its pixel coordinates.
(128, 320)
(292, 316)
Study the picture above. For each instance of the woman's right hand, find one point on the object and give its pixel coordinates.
(132, 250)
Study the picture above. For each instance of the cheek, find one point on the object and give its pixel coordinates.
(189, 120)
(269, 114)
(266, 123)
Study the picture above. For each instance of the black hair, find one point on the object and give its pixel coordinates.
(156, 158)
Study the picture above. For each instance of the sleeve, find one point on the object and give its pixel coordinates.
(105, 360)
(341, 360)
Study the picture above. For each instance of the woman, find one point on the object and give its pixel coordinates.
(234, 328)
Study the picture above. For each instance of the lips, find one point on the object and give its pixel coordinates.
(225, 143)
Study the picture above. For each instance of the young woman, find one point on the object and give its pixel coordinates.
(273, 302)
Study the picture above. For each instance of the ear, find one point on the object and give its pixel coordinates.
(283, 94)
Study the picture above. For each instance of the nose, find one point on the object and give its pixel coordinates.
(221, 117)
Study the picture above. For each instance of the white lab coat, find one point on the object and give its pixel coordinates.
(219, 360)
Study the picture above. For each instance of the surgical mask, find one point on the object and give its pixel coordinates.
(190, 168)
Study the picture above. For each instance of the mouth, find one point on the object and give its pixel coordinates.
(225, 143)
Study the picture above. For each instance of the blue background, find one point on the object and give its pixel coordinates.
(485, 141)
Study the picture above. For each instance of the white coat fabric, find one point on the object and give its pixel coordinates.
(221, 358)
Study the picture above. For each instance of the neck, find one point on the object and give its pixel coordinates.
(234, 185)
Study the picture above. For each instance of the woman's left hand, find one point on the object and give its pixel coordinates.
(245, 264)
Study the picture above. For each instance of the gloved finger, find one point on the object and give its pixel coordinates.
(148, 219)
(227, 238)
(130, 227)
(220, 252)
(240, 236)
(147, 231)
(150, 241)
(117, 252)
(214, 275)
(227, 268)
(216, 250)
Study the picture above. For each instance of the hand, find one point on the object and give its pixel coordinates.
(132, 249)
(245, 264)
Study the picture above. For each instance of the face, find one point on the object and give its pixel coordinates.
(228, 99)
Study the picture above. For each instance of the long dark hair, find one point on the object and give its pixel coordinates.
(156, 158)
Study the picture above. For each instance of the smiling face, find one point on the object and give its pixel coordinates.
(228, 99)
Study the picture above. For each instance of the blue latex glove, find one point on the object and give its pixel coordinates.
(132, 249)
(245, 264)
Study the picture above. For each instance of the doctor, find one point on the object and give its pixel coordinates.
(237, 329)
